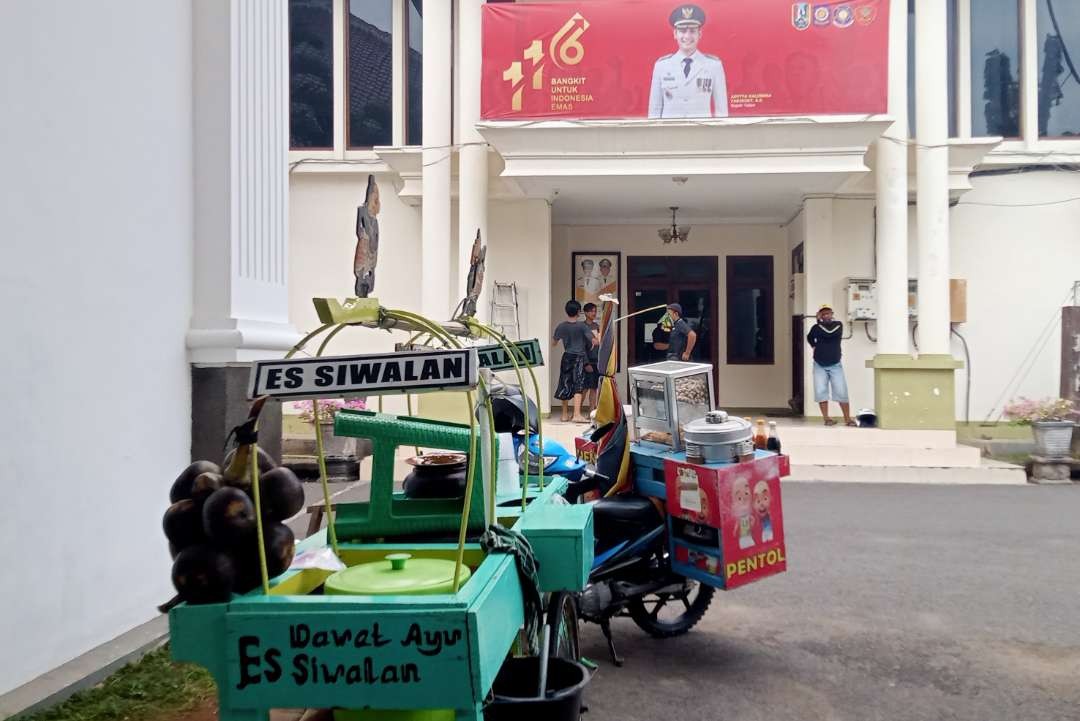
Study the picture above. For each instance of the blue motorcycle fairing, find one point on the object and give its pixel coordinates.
(562, 463)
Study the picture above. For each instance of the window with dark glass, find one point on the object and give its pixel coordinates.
(750, 309)
(995, 68)
(311, 74)
(1058, 28)
(950, 30)
(369, 80)
(414, 69)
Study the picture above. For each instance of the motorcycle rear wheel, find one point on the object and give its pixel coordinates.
(688, 607)
(562, 616)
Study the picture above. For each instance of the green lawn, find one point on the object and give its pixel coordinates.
(150, 688)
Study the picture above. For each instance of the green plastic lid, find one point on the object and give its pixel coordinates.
(399, 574)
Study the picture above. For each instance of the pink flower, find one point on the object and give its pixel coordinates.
(1025, 411)
(327, 408)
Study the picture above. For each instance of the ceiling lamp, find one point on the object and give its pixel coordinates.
(676, 233)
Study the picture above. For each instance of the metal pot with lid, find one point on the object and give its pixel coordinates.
(718, 438)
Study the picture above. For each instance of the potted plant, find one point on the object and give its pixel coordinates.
(1051, 420)
(336, 446)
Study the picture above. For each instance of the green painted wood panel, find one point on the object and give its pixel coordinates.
(562, 540)
(496, 616)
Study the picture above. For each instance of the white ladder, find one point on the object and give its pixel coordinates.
(504, 310)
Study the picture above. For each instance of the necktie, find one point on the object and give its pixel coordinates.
(686, 67)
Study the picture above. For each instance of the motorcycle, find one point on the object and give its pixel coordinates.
(631, 573)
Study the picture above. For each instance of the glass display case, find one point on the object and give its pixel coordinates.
(665, 396)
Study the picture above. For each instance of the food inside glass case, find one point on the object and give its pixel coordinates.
(692, 396)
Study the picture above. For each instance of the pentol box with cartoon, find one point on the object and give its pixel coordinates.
(727, 521)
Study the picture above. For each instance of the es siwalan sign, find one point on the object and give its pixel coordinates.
(379, 374)
(496, 358)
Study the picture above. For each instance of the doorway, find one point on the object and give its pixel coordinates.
(690, 281)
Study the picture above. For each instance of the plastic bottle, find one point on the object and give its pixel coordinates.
(760, 438)
(773, 442)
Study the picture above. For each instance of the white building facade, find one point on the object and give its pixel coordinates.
(182, 179)
(976, 130)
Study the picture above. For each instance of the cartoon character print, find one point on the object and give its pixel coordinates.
(762, 508)
(741, 509)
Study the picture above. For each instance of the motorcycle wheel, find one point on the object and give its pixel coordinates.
(563, 618)
(667, 615)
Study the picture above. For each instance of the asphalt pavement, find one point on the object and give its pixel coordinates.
(901, 602)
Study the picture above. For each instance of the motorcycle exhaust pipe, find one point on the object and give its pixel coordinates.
(626, 590)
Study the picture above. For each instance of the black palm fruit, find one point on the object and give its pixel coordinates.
(203, 574)
(181, 487)
(228, 517)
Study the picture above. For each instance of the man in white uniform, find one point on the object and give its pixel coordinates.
(688, 83)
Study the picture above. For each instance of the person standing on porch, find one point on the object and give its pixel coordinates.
(592, 357)
(825, 339)
(683, 338)
(576, 338)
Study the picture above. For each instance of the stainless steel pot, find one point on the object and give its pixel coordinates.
(718, 438)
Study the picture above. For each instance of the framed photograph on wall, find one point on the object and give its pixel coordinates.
(595, 273)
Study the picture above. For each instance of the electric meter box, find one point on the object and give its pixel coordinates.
(860, 299)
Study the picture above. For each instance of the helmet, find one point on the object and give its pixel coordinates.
(866, 418)
(508, 405)
(557, 460)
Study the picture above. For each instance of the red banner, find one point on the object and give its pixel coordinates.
(711, 58)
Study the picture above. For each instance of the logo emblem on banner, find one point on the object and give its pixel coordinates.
(822, 15)
(687, 13)
(800, 16)
(866, 14)
(564, 49)
(843, 16)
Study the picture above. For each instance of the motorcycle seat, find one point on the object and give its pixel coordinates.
(620, 518)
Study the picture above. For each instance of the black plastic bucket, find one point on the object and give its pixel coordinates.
(516, 687)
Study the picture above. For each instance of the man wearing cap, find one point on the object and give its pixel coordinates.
(683, 338)
(688, 83)
(825, 339)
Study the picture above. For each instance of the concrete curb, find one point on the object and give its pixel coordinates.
(86, 670)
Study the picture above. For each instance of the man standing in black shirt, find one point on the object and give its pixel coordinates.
(825, 339)
(683, 338)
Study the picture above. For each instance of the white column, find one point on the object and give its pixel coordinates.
(473, 156)
(963, 68)
(435, 284)
(241, 268)
(932, 126)
(1029, 72)
(892, 198)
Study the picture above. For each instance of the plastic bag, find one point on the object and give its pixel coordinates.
(323, 558)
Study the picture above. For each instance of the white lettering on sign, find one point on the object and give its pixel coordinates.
(496, 358)
(365, 374)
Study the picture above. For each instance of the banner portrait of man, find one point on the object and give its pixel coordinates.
(688, 83)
